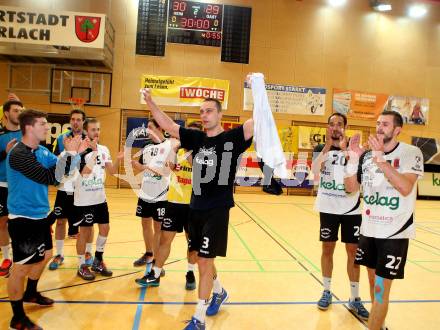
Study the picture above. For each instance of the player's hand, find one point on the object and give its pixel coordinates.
(146, 94)
(10, 145)
(120, 155)
(354, 145)
(71, 144)
(13, 97)
(84, 145)
(343, 141)
(137, 165)
(328, 138)
(376, 145)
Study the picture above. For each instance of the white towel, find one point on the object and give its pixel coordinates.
(266, 140)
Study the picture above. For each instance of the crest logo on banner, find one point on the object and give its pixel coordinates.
(87, 28)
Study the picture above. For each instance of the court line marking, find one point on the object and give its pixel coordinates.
(97, 281)
(234, 303)
(248, 249)
(241, 206)
(141, 299)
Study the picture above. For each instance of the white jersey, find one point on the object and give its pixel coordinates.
(387, 213)
(332, 197)
(154, 187)
(90, 189)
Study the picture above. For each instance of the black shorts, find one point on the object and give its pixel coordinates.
(30, 239)
(208, 232)
(177, 217)
(63, 207)
(3, 201)
(88, 215)
(155, 210)
(350, 227)
(387, 256)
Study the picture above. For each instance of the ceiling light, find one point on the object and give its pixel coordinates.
(417, 11)
(383, 7)
(337, 3)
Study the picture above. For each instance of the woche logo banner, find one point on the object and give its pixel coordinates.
(185, 91)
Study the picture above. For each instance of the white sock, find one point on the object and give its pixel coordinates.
(5, 251)
(191, 267)
(217, 287)
(60, 246)
(100, 243)
(354, 288)
(89, 247)
(202, 306)
(157, 271)
(81, 259)
(327, 283)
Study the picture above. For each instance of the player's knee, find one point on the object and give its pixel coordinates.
(61, 222)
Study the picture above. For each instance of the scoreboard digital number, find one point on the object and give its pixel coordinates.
(198, 23)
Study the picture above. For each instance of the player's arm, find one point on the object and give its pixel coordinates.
(26, 163)
(164, 121)
(248, 129)
(402, 182)
(113, 167)
(353, 169)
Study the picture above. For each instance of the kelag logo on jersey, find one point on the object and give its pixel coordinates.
(391, 202)
(92, 182)
(331, 185)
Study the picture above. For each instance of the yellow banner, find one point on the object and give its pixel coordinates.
(289, 138)
(185, 91)
(310, 137)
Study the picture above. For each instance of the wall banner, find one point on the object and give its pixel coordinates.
(368, 106)
(185, 91)
(51, 27)
(290, 99)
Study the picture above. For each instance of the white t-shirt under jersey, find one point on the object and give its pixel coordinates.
(154, 187)
(90, 189)
(67, 183)
(332, 197)
(386, 213)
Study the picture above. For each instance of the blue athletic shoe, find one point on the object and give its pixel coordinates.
(56, 262)
(217, 300)
(325, 301)
(194, 324)
(358, 308)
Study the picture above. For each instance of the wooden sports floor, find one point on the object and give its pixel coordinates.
(272, 274)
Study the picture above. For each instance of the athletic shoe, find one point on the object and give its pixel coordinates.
(89, 259)
(217, 300)
(142, 261)
(37, 298)
(358, 308)
(190, 281)
(101, 268)
(194, 324)
(148, 280)
(325, 300)
(23, 324)
(56, 262)
(5, 267)
(85, 273)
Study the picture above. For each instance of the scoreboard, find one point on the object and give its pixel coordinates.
(192, 22)
(197, 23)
